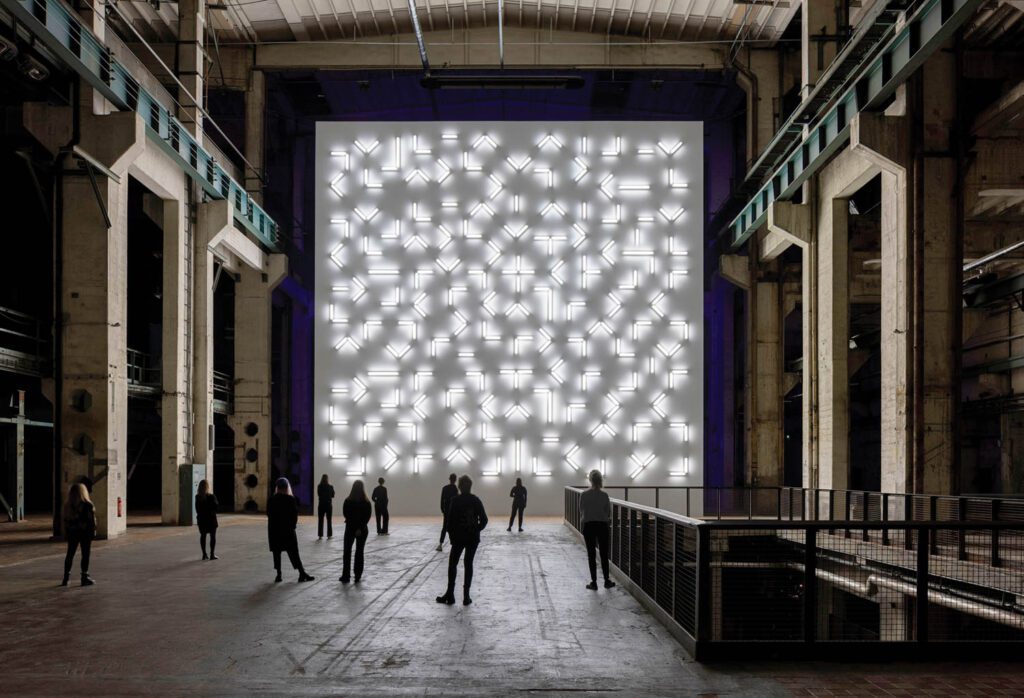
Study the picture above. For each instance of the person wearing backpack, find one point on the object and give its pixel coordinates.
(518, 495)
(466, 518)
(356, 509)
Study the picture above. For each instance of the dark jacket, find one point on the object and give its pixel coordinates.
(466, 518)
(282, 517)
(357, 514)
(81, 523)
(325, 493)
(206, 512)
(518, 495)
(448, 493)
(380, 496)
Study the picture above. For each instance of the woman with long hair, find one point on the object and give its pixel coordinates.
(356, 510)
(282, 518)
(206, 518)
(324, 507)
(79, 530)
(595, 516)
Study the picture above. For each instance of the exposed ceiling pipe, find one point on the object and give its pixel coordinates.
(419, 36)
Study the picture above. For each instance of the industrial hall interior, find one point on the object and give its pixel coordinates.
(720, 302)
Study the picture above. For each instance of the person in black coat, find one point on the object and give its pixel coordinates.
(324, 507)
(206, 518)
(518, 495)
(356, 509)
(466, 518)
(79, 529)
(448, 493)
(380, 506)
(282, 518)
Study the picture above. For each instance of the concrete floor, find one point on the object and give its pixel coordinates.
(160, 621)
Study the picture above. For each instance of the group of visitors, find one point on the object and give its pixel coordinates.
(463, 518)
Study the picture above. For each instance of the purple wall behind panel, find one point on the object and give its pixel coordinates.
(296, 101)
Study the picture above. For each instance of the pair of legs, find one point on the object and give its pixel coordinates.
(293, 557)
(213, 543)
(321, 513)
(595, 535)
(76, 541)
(453, 571)
(444, 530)
(360, 541)
(516, 508)
(382, 518)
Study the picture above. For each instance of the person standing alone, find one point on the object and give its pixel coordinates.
(324, 507)
(466, 518)
(282, 518)
(518, 495)
(79, 530)
(356, 509)
(595, 515)
(448, 493)
(206, 518)
(380, 506)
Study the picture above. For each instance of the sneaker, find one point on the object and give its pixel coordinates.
(446, 599)
(87, 581)
(608, 584)
(592, 586)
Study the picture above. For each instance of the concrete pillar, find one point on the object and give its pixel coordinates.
(255, 109)
(94, 393)
(818, 19)
(213, 220)
(764, 375)
(251, 418)
(176, 369)
(893, 625)
(833, 335)
(191, 61)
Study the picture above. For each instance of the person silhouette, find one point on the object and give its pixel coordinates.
(282, 518)
(518, 495)
(380, 507)
(448, 493)
(356, 509)
(206, 518)
(79, 516)
(466, 518)
(595, 515)
(324, 507)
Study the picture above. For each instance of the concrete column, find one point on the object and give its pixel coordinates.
(833, 335)
(893, 625)
(213, 220)
(818, 18)
(175, 412)
(255, 108)
(191, 61)
(251, 418)
(764, 376)
(94, 394)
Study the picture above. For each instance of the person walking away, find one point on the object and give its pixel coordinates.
(356, 509)
(380, 507)
(282, 518)
(595, 516)
(448, 493)
(466, 518)
(518, 495)
(206, 517)
(79, 529)
(324, 507)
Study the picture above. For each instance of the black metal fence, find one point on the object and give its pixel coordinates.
(815, 588)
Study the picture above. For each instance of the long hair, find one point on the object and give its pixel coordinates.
(284, 486)
(204, 487)
(358, 493)
(596, 479)
(324, 480)
(77, 495)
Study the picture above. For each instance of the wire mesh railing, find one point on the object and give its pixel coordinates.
(804, 588)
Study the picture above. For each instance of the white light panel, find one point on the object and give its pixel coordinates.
(509, 299)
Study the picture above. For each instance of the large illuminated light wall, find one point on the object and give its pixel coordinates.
(508, 299)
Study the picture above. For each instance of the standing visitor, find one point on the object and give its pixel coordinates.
(324, 507)
(448, 493)
(206, 518)
(282, 518)
(518, 495)
(380, 507)
(595, 515)
(466, 518)
(356, 510)
(79, 530)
